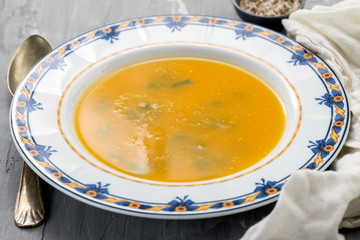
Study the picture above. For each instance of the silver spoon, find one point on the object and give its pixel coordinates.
(29, 206)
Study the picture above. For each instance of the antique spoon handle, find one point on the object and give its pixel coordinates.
(29, 206)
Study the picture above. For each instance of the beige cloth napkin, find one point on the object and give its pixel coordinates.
(314, 205)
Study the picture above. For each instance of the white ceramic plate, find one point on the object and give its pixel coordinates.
(42, 111)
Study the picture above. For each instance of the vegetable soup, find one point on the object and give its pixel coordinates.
(180, 119)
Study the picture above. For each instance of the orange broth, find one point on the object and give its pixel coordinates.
(180, 119)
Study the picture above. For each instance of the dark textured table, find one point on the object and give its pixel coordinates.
(67, 218)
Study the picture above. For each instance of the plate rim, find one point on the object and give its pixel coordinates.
(172, 216)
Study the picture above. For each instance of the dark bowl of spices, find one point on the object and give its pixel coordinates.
(268, 13)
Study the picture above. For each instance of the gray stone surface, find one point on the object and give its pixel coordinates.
(67, 218)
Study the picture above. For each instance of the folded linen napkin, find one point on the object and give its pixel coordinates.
(314, 205)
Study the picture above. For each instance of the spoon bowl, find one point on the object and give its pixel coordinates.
(28, 53)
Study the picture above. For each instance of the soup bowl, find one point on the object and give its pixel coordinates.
(77, 88)
(44, 108)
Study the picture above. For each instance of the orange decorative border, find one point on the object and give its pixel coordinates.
(187, 184)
